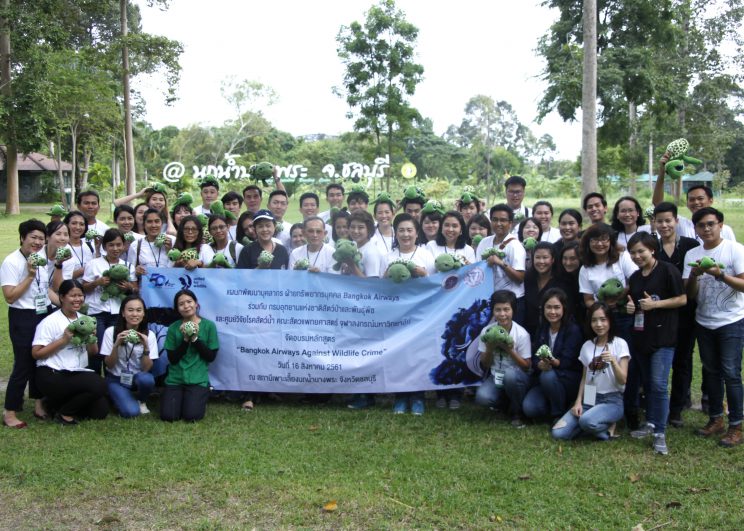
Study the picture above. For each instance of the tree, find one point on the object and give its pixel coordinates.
(589, 101)
(248, 98)
(380, 73)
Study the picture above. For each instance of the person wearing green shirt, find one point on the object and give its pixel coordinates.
(191, 344)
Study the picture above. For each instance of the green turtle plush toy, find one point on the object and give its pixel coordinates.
(37, 260)
(498, 337)
(158, 188)
(706, 262)
(612, 288)
(492, 251)
(189, 329)
(57, 211)
(220, 261)
(63, 253)
(160, 240)
(132, 337)
(184, 198)
(92, 234)
(303, 264)
(678, 151)
(529, 243)
(265, 259)
(117, 273)
(544, 353)
(346, 252)
(262, 171)
(129, 237)
(218, 208)
(400, 270)
(83, 331)
(447, 262)
(476, 240)
(431, 206)
(414, 192)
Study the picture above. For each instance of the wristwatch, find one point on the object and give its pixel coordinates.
(721, 277)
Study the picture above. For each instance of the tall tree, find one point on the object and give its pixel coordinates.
(380, 73)
(589, 101)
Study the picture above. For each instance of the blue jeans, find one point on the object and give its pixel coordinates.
(516, 385)
(655, 368)
(594, 420)
(546, 398)
(720, 352)
(127, 400)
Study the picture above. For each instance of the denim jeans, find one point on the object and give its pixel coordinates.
(655, 369)
(548, 397)
(623, 325)
(516, 385)
(127, 400)
(720, 351)
(594, 420)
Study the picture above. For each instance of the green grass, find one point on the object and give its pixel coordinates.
(278, 466)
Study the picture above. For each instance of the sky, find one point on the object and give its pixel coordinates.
(467, 47)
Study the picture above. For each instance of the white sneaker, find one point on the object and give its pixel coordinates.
(643, 432)
(660, 446)
(143, 408)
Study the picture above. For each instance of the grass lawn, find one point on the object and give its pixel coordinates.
(280, 464)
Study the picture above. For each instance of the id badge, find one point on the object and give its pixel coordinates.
(40, 304)
(638, 322)
(498, 378)
(127, 378)
(590, 394)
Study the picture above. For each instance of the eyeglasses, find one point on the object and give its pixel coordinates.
(515, 192)
(706, 224)
(218, 227)
(190, 229)
(600, 239)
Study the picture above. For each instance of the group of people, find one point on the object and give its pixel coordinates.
(618, 305)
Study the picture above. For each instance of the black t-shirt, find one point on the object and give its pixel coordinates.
(659, 326)
(533, 295)
(248, 258)
(677, 258)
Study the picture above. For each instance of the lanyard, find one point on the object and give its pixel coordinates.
(307, 251)
(80, 258)
(156, 258)
(382, 237)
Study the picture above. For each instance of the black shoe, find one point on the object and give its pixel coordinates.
(632, 421)
(704, 404)
(61, 420)
(675, 419)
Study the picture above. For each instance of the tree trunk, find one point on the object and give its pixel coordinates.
(57, 154)
(73, 139)
(589, 101)
(12, 203)
(128, 140)
(84, 170)
(632, 142)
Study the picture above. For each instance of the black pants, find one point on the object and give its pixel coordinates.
(682, 363)
(103, 321)
(21, 328)
(74, 393)
(183, 402)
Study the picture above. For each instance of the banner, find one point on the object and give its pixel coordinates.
(296, 331)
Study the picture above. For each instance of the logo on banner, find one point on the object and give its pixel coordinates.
(474, 277)
(187, 282)
(160, 281)
(450, 282)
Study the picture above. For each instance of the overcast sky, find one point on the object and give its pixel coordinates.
(467, 47)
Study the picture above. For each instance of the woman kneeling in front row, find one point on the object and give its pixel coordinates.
(62, 376)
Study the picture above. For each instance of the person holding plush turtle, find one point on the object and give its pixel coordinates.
(539, 279)
(106, 281)
(156, 197)
(209, 189)
(226, 250)
(627, 219)
(191, 344)
(714, 277)
(504, 357)
(555, 359)
(672, 249)
(189, 251)
(59, 263)
(656, 292)
(26, 291)
(83, 251)
(335, 197)
(152, 250)
(542, 211)
(452, 239)
(265, 252)
(506, 256)
(383, 211)
(373, 264)
(479, 227)
(124, 219)
(529, 232)
(317, 254)
(71, 389)
(599, 403)
(128, 349)
(602, 264)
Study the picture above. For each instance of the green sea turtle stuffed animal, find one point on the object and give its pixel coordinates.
(83, 331)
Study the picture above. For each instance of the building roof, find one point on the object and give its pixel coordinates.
(37, 162)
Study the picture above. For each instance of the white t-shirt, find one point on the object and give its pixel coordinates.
(322, 259)
(374, 262)
(149, 254)
(551, 236)
(515, 257)
(591, 278)
(129, 355)
(99, 226)
(466, 252)
(285, 237)
(604, 379)
(384, 244)
(420, 256)
(68, 268)
(325, 216)
(199, 210)
(232, 231)
(68, 358)
(12, 272)
(685, 227)
(226, 251)
(83, 253)
(522, 345)
(93, 271)
(718, 304)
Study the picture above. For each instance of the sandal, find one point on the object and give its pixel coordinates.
(247, 405)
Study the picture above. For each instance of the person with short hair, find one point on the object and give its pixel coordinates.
(468, 206)
(413, 207)
(361, 228)
(656, 292)
(89, 203)
(335, 197)
(83, 251)
(309, 203)
(543, 212)
(26, 292)
(221, 242)
(278, 204)
(233, 202)
(264, 227)
(569, 226)
(719, 291)
(505, 369)
(627, 219)
(599, 403)
(357, 200)
(430, 222)
(479, 225)
(209, 189)
(452, 239)
(595, 206)
(71, 389)
(514, 188)
(383, 237)
(145, 252)
(315, 251)
(252, 197)
(192, 344)
(190, 235)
